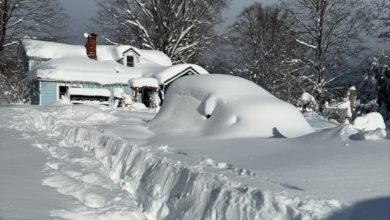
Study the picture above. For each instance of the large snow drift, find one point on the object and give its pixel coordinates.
(226, 106)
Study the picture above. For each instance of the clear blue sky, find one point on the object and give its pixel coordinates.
(81, 12)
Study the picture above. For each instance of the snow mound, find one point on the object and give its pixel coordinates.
(227, 107)
(350, 132)
(161, 187)
(89, 92)
(318, 122)
(307, 98)
(369, 122)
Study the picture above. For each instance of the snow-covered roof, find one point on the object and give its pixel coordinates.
(71, 63)
(52, 50)
(170, 73)
(83, 69)
(143, 82)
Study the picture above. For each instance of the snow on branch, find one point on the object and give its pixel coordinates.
(306, 44)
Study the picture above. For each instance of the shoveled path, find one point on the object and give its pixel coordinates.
(22, 195)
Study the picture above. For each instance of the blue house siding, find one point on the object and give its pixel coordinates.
(48, 90)
(48, 93)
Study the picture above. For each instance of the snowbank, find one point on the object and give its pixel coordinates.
(226, 106)
(350, 132)
(318, 122)
(163, 188)
(369, 122)
(89, 92)
(368, 127)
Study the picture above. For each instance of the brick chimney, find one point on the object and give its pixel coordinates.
(90, 45)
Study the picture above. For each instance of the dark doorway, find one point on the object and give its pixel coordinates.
(62, 91)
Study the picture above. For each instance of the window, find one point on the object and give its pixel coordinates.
(130, 61)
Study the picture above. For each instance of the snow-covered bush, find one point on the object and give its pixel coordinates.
(369, 122)
(368, 127)
(13, 89)
(375, 90)
(228, 107)
(155, 100)
(307, 102)
(339, 111)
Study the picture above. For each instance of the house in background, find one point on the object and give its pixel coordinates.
(93, 73)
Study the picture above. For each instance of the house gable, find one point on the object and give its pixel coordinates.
(131, 58)
(188, 71)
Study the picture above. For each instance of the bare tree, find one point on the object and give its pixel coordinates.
(42, 19)
(381, 17)
(179, 28)
(374, 93)
(331, 32)
(262, 50)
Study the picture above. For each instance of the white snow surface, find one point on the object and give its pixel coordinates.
(369, 122)
(143, 82)
(114, 167)
(226, 106)
(89, 92)
(307, 98)
(118, 93)
(53, 50)
(85, 70)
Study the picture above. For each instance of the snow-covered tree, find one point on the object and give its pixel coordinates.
(374, 94)
(179, 28)
(381, 17)
(331, 32)
(42, 19)
(262, 49)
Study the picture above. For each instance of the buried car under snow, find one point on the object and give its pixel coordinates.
(227, 107)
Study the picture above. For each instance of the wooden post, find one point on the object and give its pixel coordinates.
(352, 96)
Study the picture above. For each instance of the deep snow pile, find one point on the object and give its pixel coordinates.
(226, 106)
(75, 175)
(201, 178)
(369, 122)
(368, 127)
(160, 185)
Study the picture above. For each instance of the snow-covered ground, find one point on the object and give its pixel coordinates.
(43, 176)
(83, 162)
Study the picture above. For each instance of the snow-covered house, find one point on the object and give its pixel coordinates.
(93, 72)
